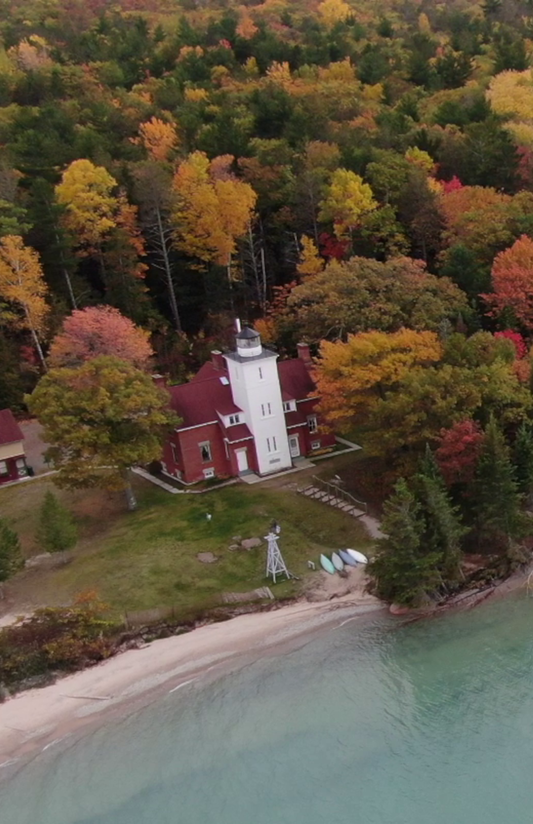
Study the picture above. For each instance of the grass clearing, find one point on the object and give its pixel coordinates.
(146, 559)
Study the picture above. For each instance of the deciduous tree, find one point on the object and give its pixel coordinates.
(346, 200)
(101, 419)
(362, 294)
(86, 191)
(99, 330)
(458, 451)
(512, 282)
(352, 377)
(23, 288)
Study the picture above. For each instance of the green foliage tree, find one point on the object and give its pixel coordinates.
(523, 459)
(495, 496)
(402, 570)
(444, 529)
(57, 530)
(101, 419)
(10, 554)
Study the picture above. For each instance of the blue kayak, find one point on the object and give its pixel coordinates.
(347, 558)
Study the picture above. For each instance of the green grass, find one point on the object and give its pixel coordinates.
(147, 559)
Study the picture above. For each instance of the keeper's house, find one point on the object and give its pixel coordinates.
(12, 457)
(245, 412)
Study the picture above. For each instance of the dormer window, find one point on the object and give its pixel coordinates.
(233, 419)
(289, 406)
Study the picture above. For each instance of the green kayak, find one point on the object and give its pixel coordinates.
(327, 565)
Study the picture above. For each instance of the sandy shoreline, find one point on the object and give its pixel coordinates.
(33, 720)
(36, 719)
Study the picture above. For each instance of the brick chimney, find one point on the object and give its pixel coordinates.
(304, 353)
(160, 381)
(217, 359)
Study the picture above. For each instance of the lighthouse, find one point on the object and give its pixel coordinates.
(255, 387)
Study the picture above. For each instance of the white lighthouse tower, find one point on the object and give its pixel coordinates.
(255, 386)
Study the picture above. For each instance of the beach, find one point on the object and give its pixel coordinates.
(37, 718)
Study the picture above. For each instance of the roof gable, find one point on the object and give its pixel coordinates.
(10, 431)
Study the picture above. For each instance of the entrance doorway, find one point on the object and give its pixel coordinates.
(242, 459)
(294, 446)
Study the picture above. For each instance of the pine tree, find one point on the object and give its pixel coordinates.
(10, 555)
(402, 569)
(495, 493)
(443, 526)
(523, 459)
(57, 531)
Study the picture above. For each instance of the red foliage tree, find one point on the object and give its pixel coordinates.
(451, 185)
(516, 338)
(332, 247)
(99, 330)
(458, 452)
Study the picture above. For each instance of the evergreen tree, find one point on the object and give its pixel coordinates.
(523, 459)
(496, 500)
(10, 555)
(443, 526)
(402, 570)
(56, 531)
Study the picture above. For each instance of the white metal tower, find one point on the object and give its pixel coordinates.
(275, 563)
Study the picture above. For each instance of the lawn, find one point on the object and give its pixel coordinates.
(147, 559)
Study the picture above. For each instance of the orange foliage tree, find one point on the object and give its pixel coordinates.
(352, 377)
(512, 282)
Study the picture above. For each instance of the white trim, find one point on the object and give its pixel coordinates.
(313, 398)
(240, 440)
(294, 425)
(196, 426)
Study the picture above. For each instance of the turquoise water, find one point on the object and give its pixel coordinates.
(372, 723)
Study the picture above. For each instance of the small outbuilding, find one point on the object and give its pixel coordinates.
(12, 456)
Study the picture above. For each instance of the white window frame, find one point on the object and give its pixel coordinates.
(315, 444)
(268, 407)
(289, 406)
(209, 473)
(312, 424)
(261, 378)
(174, 452)
(3, 468)
(234, 419)
(207, 446)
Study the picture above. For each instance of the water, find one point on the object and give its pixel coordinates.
(371, 723)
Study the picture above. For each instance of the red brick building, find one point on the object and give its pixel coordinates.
(12, 458)
(245, 412)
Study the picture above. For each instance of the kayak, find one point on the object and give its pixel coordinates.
(357, 556)
(327, 565)
(337, 562)
(347, 558)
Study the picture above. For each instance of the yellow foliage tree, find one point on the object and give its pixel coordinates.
(158, 138)
(352, 377)
(213, 208)
(23, 288)
(90, 207)
(510, 94)
(347, 199)
(334, 11)
(310, 261)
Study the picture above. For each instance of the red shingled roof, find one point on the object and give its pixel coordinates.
(240, 432)
(296, 382)
(9, 428)
(206, 396)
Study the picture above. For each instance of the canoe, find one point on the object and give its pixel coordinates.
(357, 556)
(327, 565)
(338, 563)
(347, 558)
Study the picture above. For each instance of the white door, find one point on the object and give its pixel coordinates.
(294, 446)
(242, 460)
